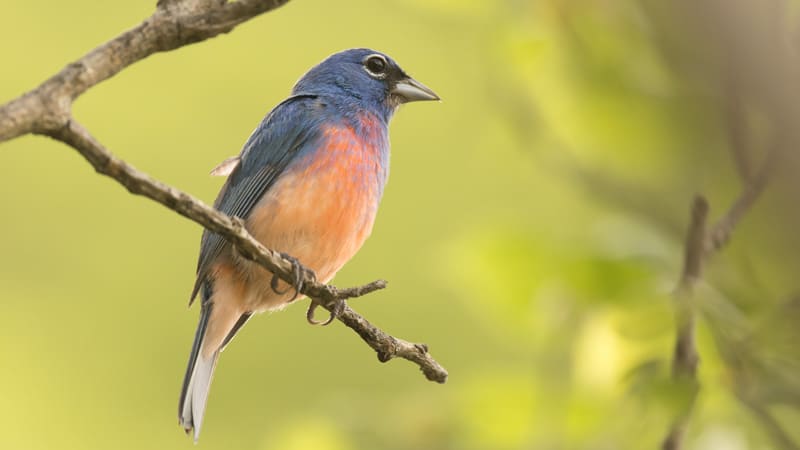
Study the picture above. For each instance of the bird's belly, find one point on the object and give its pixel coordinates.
(322, 220)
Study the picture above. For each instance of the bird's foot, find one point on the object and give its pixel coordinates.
(299, 274)
(336, 311)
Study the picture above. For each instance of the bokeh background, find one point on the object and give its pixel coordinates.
(531, 231)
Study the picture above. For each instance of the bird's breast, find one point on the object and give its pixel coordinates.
(321, 210)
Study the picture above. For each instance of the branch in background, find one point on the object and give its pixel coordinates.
(46, 110)
(722, 230)
(700, 245)
(685, 357)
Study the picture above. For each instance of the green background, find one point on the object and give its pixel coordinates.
(530, 233)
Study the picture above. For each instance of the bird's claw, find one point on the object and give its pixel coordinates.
(338, 308)
(299, 274)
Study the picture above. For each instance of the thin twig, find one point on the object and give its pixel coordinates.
(46, 110)
(685, 357)
(720, 233)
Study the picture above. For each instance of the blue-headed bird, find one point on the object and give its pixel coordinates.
(307, 184)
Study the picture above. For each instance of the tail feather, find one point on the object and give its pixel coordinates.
(197, 380)
(236, 327)
(199, 372)
(199, 386)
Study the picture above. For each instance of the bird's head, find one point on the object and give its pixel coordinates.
(368, 77)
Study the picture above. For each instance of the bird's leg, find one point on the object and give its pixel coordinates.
(336, 311)
(299, 273)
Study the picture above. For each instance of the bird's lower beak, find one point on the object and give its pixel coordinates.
(411, 90)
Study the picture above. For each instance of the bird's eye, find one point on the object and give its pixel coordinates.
(376, 66)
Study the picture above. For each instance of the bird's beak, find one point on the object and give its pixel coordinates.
(411, 90)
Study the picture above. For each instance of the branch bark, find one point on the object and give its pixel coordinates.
(46, 110)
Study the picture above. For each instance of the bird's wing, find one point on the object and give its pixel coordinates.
(293, 125)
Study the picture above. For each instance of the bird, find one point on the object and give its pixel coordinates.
(307, 184)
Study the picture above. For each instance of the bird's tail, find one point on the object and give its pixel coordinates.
(197, 380)
(219, 322)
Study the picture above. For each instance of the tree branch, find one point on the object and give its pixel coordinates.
(46, 110)
(699, 246)
(722, 230)
(685, 357)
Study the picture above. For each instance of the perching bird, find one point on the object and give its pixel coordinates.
(307, 183)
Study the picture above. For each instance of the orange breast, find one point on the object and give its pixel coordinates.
(322, 210)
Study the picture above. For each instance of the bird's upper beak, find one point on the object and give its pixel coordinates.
(411, 90)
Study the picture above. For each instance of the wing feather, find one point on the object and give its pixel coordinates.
(290, 127)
